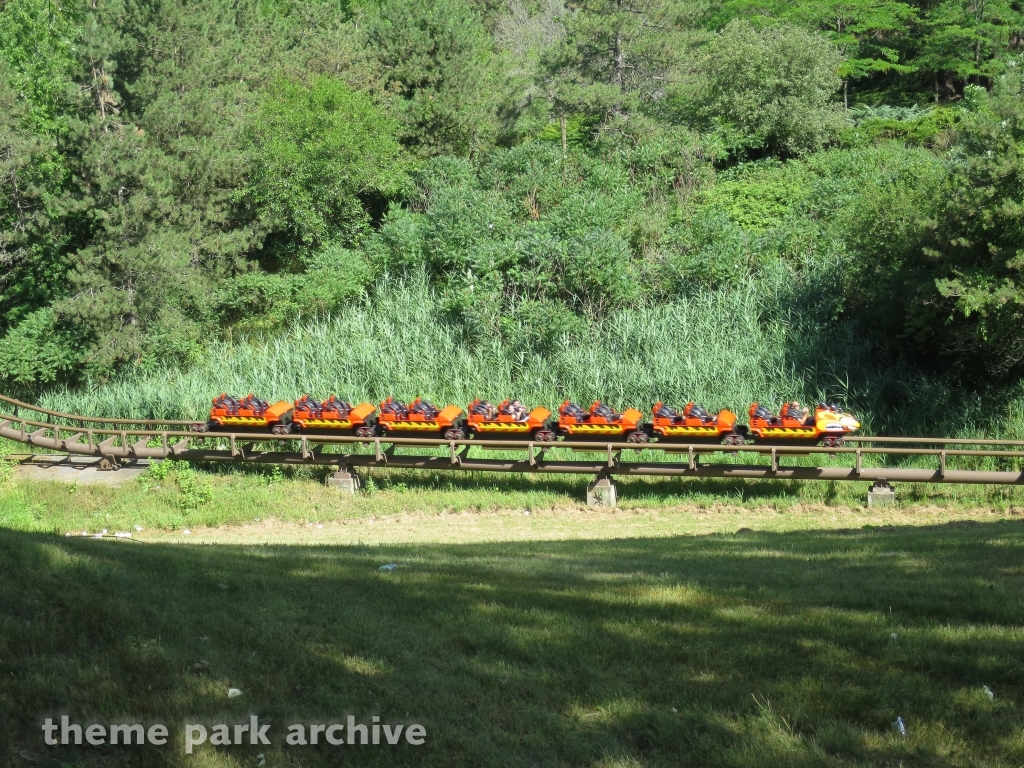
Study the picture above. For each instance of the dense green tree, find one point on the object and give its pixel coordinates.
(869, 33)
(39, 110)
(319, 151)
(966, 39)
(771, 87)
(438, 56)
(614, 57)
(965, 286)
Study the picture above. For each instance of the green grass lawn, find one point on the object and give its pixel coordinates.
(643, 643)
(171, 496)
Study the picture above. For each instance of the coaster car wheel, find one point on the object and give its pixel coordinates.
(366, 431)
(203, 426)
(636, 436)
(545, 436)
(281, 429)
(454, 434)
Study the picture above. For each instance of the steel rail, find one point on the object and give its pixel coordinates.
(933, 440)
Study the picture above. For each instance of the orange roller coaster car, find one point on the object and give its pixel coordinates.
(249, 413)
(695, 424)
(509, 419)
(828, 424)
(600, 422)
(334, 415)
(421, 418)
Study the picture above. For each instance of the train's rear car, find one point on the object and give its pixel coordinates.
(249, 414)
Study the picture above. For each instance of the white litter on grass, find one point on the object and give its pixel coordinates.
(988, 692)
(234, 693)
(103, 531)
(138, 527)
(122, 535)
(895, 637)
(389, 567)
(526, 511)
(899, 726)
(262, 759)
(320, 525)
(186, 532)
(222, 586)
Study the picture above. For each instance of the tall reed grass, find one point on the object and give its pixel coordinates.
(722, 348)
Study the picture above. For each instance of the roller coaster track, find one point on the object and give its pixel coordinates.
(122, 441)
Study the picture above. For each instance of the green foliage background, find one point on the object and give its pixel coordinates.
(190, 184)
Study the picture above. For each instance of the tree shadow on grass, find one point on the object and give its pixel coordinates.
(759, 649)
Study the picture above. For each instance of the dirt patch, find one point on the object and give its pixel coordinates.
(565, 523)
(77, 472)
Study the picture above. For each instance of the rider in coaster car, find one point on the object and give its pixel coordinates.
(424, 408)
(794, 411)
(485, 409)
(668, 412)
(699, 412)
(573, 411)
(600, 409)
(396, 408)
(516, 410)
(763, 413)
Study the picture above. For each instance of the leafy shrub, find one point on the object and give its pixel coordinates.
(195, 490)
(7, 474)
(910, 125)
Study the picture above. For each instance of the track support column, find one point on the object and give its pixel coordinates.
(881, 494)
(344, 481)
(108, 463)
(602, 492)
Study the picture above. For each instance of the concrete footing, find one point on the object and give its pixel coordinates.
(344, 481)
(602, 492)
(880, 494)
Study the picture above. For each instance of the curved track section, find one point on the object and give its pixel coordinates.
(118, 441)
